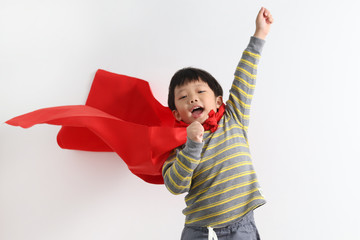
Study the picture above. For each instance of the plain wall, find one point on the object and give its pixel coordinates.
(304, 130)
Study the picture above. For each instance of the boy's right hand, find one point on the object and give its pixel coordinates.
(195, 131)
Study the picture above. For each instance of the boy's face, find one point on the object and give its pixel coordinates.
(194, 101)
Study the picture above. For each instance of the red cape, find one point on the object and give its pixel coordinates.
(120, 115)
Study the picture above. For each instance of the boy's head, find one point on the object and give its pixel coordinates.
(193, 93)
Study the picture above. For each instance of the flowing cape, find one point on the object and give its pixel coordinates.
(120, 115)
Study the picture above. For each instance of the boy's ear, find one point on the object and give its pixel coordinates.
(219, 101)
(176, 115)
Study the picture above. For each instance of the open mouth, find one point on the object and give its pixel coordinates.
(197, 111)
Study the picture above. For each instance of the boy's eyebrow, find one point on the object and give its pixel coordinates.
(180, 89)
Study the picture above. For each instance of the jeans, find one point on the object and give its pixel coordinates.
(244, 229)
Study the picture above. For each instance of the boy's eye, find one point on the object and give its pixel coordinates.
(201, 91)
(182, 97)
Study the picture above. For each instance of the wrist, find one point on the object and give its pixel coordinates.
(195, 139)
(260, 34)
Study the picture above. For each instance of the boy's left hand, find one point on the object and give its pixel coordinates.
(264, 20)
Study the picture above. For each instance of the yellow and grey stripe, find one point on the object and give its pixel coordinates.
(222, 191)
(168, 175)
(204, 159)
(250, 64)
(248, 74)
(179, 176)
(242, 92)
(226, 129)
(222, 160)
(241, 114)
(209, 147)
(245, 83)
(225, 169)
(253, 55)
(215, 183)
(236, 216)
(223, 201)
(244, 105)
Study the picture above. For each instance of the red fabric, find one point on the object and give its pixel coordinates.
(120, 115)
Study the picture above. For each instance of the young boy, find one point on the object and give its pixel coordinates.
(214, 166)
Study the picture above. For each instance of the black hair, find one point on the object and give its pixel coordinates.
(190, 74)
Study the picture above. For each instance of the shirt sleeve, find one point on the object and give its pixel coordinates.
(242, 89)
(178, 169)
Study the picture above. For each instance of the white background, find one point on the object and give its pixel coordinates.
(304, 130)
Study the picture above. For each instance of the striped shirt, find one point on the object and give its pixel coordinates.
(218, 173)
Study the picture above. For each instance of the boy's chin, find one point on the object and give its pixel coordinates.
(201, 120)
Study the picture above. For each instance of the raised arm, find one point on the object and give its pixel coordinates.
(242, 89)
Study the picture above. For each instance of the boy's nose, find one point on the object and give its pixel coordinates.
(194, 100)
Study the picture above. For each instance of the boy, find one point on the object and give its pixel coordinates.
(214, 166)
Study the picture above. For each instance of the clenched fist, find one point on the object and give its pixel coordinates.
(264, 20)
(195, 131)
